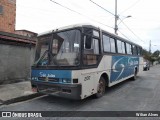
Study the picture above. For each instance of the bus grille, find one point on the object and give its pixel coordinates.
(48, 79)
(47, 88)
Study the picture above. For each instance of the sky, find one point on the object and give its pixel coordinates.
(143, 25)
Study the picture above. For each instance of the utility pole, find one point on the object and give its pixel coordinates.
(150, 46)
(116, 18)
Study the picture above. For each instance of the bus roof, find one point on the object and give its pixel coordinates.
(65, 27)
(88, 25)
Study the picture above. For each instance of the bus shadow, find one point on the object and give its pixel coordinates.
(64, 103)
(117, 87)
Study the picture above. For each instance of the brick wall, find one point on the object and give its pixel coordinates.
(7, 15)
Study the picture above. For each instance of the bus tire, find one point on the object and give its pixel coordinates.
(135, 74)
(101, 88)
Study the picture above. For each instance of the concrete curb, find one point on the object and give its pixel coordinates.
(21, 98)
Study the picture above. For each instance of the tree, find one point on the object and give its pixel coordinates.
(156, 56)
(152, 57)
(146, 55)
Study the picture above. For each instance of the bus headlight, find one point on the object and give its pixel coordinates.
(33, 78)
(66, 80)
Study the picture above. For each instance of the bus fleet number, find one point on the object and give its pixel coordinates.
(87, 78)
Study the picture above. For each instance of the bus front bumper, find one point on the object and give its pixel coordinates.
(71, 91)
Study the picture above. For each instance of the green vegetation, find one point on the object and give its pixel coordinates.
(152, 57)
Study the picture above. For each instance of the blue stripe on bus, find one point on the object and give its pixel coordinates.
(52, 73)
(123, 66)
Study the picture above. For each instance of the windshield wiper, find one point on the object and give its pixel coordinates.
(41, 58)
(50, 54)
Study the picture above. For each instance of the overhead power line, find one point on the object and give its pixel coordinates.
(131, 31)
(130, 6)
(124, 35)
(98, 21)
(79, 13)
(122, 20)
(103, 8)
(65, 7)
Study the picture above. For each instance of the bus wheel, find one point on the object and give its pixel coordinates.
(135, 75)
(101, 88)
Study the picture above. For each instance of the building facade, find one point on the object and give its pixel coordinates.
(16, 57)
(16, 47)
(26, 33)
(7, 15)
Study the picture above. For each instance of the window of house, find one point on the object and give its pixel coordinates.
(1, 9)
(12, 1)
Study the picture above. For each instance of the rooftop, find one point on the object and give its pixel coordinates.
(16, 38)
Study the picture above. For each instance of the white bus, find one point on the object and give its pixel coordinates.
(82, 60)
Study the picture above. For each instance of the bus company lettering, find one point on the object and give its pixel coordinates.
(132, 63)
(46, 75)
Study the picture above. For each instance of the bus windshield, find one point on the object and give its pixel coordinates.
(59, 49)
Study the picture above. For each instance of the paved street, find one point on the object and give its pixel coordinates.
(140, 95)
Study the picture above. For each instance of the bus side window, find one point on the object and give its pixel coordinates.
(139, 50)
(106, 43)
(128, 48)
(121, 47)
(134, 49)
(91, 50)
(96, 46)
(96, 33)
(113, 47)
(88, 42)
(91, 45)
